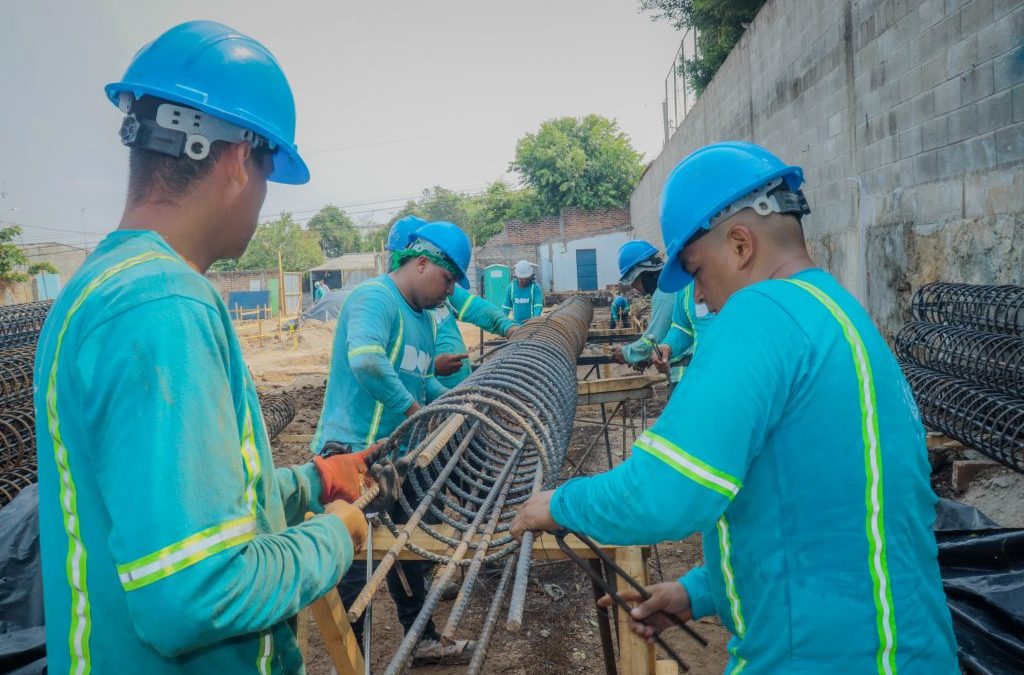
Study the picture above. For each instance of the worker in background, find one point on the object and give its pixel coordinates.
(170, 543)
(792, 444)
(524, 298)
(639, 267)
(451, 363)
(690, 320)
(319, 288)
(619, 311)
(382, 371)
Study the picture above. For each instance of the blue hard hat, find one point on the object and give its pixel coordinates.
(452, 242)
(215, 69)
(702, 185)
(401, 232)
(631, 254)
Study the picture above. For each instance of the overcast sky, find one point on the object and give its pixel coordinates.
(392, 96)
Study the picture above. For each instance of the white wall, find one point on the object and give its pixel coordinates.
(558, 260)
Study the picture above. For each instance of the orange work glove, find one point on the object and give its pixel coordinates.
(343, 474)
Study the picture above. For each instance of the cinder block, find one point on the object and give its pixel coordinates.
(980, 153)
(995, 111)
(910, 141)
(947, 32)
(965, 470)
(1010, 144)
(1005, 6)
(976, 83)
(835, 125)
(976, 15)
(1018, 103)
(933, 71)
(962, 123)
(1009, 69)
(931, 12)
(903, 174)
(951, 161)
(910, 84)
(947, 96)
(1001, 36)
(953, 5)
(922, 107)
(934, 134)
(962, 56)
(1000, 191)
(926, 167)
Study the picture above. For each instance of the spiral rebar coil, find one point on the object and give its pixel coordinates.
(984, 418)
(14, 481)
(997, 309)
(989, 359)
(278, 412)
(20, 324)
(17, 437)
(16, 376)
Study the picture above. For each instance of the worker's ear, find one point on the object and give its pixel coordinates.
(741, 242)
(235, 165)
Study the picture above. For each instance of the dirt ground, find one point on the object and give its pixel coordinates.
(557, 637)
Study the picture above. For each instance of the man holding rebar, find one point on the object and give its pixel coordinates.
(170, 543)
(382, 371)
(792, 444)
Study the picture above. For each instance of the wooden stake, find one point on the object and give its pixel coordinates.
(636, 657)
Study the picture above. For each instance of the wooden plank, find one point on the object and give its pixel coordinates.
(338, 636)
(625, 383)
(666, 668)
(544, 547)
(294, 438)
(636, 657)
(616, 396)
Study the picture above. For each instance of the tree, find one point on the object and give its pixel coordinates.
(719, 25)
(374, 239)
(300, 248)
(338, 234)
(14, 265)
(587, 163)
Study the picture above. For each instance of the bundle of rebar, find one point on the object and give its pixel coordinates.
(16, 376)
(278, 412)
(477, 453)
(17, 451)
(20, 324)
(963, 356)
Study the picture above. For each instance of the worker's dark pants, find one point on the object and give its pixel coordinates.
(623, 319)
(416, 573)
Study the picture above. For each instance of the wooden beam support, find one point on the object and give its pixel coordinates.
(337, 632)
(544, 547)
(636, 657)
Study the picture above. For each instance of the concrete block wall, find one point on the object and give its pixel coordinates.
(908, 118)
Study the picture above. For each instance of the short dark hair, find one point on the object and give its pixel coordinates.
(152, 172)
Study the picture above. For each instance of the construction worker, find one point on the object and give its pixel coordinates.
(382, 371)
(793, 445)
(639, 267)
(451, 364)
(319, 288)
(524, 298)
(619, 311)
(170, 543)
(690, 320)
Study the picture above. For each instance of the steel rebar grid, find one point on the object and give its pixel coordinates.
(984, 418)
(515, 417)
(278, 412)
(989, 359)
(16, 376)
(20, 324)
(997, 309)
(14, 481)
(17, 437)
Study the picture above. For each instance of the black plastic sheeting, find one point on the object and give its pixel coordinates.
(982, 568)
(22, 636)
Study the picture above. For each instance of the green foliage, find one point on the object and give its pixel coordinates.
(719, 25)
(44, 267)
(14, 265)
(587, 163)
(373, 239)
(300, 248)
(337, 232)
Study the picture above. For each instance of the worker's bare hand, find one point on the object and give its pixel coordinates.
(617, 356)
(355, 521)
(660, 357)
(511, 331)
(448, 364)
(534, 515)
(412, 410)
(645, 619)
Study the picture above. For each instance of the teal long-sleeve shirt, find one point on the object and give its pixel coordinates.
(797, 451)
(662, 304)
(619, 304)
(170, 543)
(382, 362)
(464, 306)
(690, 320)
(524, 303)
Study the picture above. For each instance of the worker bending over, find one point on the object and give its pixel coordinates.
(619, 311)
(170, 543)
(382, 371)
(690, 320)
(639, 267)
(451, 362)
(524, 298)
(792, 444)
